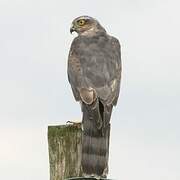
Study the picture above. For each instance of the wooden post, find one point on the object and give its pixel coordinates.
(64, 151)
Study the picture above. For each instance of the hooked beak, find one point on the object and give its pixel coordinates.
(72, 29)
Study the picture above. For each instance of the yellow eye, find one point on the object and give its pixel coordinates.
(81, 22)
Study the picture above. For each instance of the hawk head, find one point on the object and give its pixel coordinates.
(86, 25)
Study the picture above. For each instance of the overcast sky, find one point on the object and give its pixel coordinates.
(34, 90)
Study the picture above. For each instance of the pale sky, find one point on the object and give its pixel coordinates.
(35, 93)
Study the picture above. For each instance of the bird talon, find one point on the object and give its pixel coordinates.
(73, 123)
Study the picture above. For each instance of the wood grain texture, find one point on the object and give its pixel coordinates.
(64, 151)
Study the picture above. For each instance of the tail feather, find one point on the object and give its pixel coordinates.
(95, 140)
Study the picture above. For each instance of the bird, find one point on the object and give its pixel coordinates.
(94, 73)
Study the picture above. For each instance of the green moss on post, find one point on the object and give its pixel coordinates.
(64, 151)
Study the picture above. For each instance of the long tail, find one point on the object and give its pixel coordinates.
(95, 139)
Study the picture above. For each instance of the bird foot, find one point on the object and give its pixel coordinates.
(74, 123)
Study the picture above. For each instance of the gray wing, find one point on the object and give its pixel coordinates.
(74, 71)
(95, 63)
(115, 82)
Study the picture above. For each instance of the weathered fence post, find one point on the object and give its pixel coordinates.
(64, 151)
(65, 145)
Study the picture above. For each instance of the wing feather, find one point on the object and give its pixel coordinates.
(95, 63)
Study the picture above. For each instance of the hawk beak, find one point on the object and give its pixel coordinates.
(72, 29)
